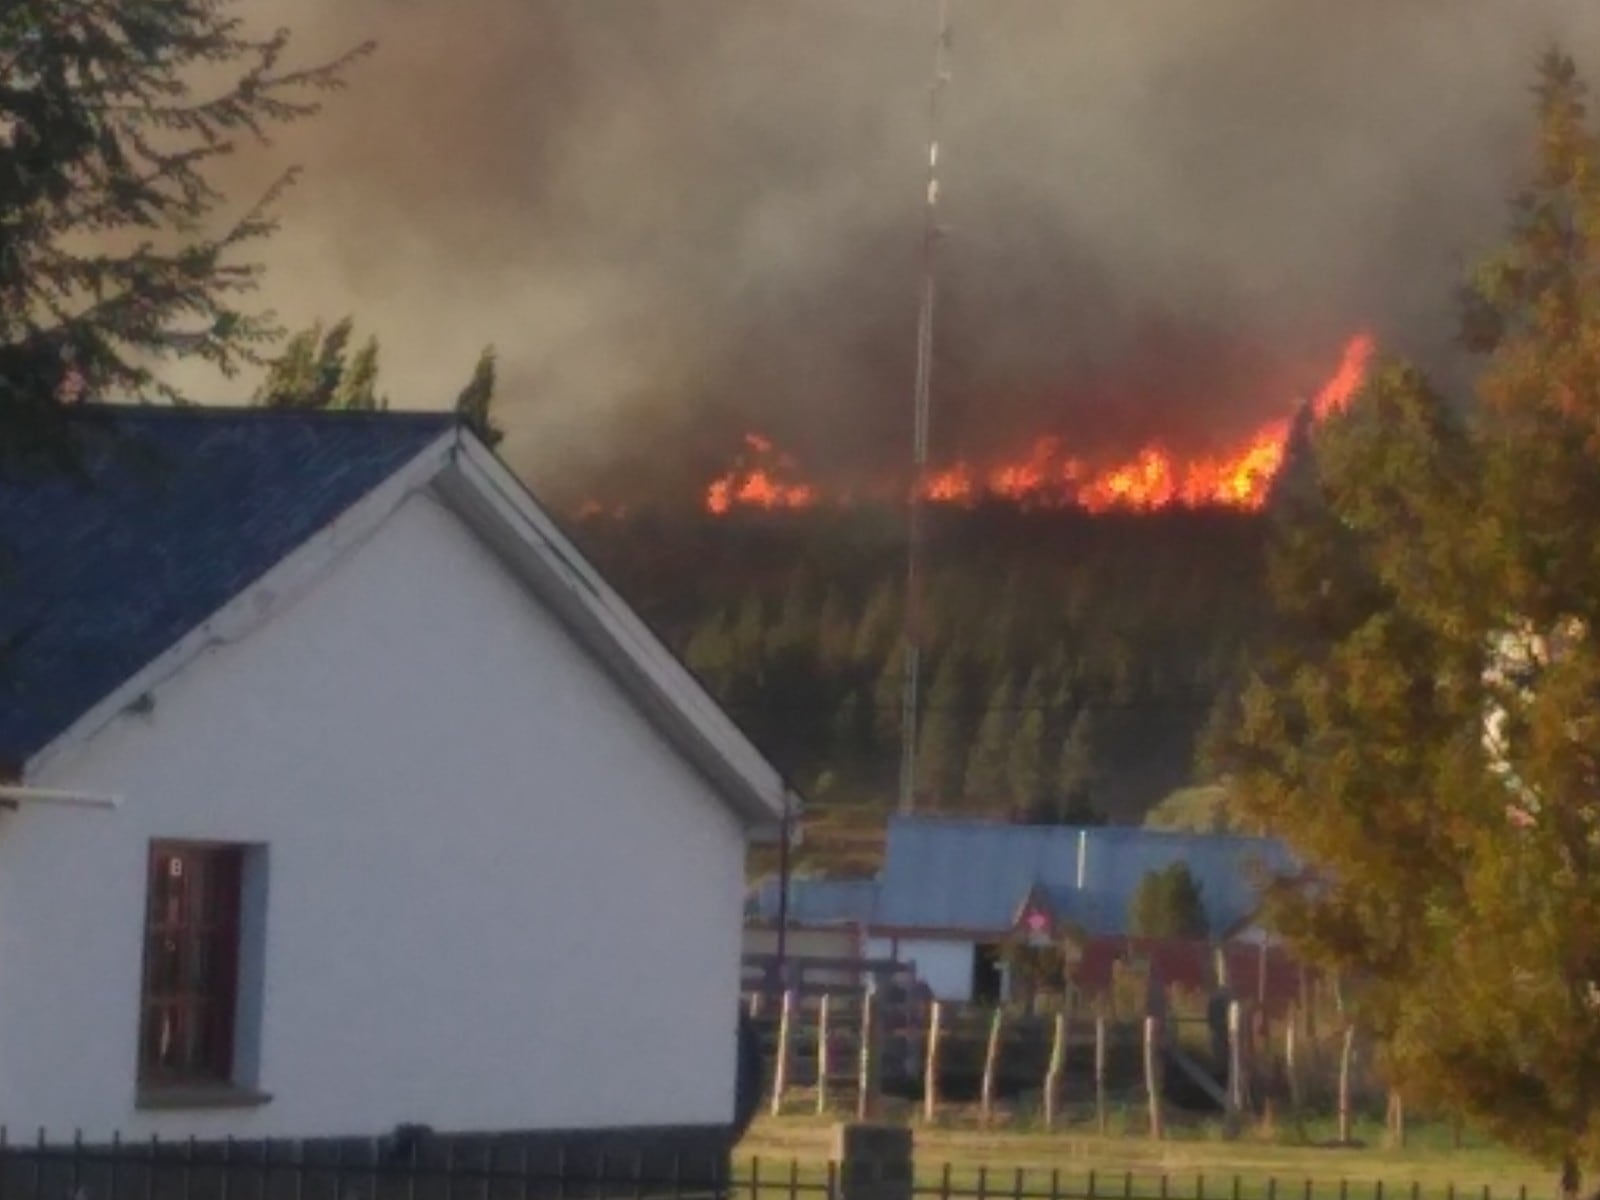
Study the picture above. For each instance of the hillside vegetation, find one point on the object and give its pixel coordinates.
(1070, 660)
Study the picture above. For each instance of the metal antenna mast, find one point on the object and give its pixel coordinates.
(911, 635)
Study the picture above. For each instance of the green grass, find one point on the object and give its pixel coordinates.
(1194, 1162)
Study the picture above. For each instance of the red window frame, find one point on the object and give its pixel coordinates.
(190, 986)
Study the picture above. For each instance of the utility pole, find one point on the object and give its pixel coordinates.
(911, 635)
(785, 832)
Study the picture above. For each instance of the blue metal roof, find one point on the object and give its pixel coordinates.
(974, 875)
(816, 901)
(175, 512)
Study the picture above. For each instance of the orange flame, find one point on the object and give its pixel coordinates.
(758, 486)
(1337, 393)
(1046, 476)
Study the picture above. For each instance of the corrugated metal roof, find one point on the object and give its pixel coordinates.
(174, 513)
(974, 875)
(816, 901)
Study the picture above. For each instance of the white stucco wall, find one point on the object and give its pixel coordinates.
(496, 898)
(945, 966)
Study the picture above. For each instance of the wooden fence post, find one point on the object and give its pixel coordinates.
(1346, 1056)
(930, 1066)
(867, 1067)
(1100, 1073)
(1235, 1093)
(824, 1051)
(1152, 1072)
(1291, 1064)
(991, 1058)
(1052, 1076)
(1397, 1119)
(1306, 1009)
(780, 1069)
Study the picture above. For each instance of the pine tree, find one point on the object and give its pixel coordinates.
(851, 734)
(476, 400)
(879, 628)
(985, 784)
(357, 390)
(1345, 731)
(1028, 770)
(748, 624)
(291, 378)
(1028, 774)
(795, 630)
(1168, 904)
(941, 741)
(315, 371)
(115, 114)
(709, 653)
(1525, 1039)
(1077, 770)
(887, 695)
(835, 630)
(328, 373)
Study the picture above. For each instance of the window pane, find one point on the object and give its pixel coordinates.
(163, 965)
(158, 1038)
(192, 1050)
(169, 877)
(191, 957)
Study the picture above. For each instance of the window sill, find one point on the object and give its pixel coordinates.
(199, 1095)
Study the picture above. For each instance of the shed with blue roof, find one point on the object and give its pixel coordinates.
(321, 743)
(953, 890)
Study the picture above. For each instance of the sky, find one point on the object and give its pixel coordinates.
(682, 220)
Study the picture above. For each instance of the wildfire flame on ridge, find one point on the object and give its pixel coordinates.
(1045, 475)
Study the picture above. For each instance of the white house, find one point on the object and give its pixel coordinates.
(344, 795)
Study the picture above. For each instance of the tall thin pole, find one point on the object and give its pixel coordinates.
(785, 832)
(912, 630)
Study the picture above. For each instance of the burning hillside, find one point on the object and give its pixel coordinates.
(1047, 474)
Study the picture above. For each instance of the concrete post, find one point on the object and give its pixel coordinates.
(873, 1162)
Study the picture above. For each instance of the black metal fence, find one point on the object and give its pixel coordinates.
(344, 1169)
(773, 1180)
(493, 1169)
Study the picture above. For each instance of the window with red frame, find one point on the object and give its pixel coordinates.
(191, 964)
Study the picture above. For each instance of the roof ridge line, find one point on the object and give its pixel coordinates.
(141, 410)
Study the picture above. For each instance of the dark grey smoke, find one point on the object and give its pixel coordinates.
(679, 219)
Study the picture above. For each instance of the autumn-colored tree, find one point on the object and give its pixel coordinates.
(1345, 733)
(1523, 1052)
(1199, 809)
(1426, 730)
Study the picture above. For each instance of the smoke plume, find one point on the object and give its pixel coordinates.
(682, 219)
